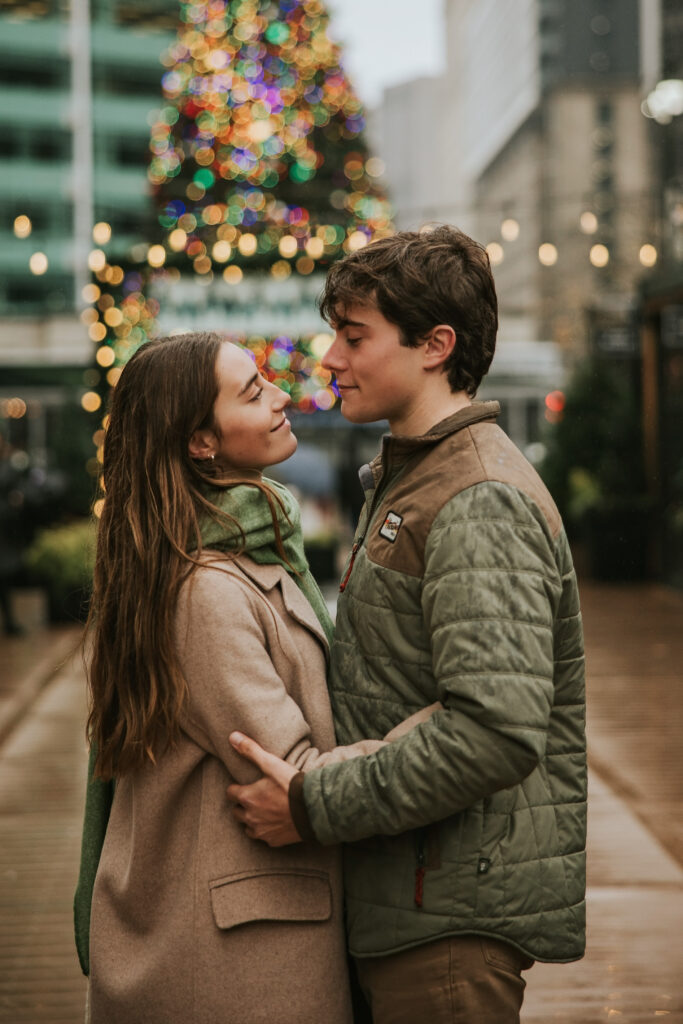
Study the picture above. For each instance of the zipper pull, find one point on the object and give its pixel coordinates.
(354, 549)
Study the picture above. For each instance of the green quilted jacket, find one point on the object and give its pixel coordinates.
(460, 589)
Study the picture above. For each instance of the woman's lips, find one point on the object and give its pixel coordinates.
(281, 424)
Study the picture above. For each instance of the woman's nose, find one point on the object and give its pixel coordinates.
(280, 398)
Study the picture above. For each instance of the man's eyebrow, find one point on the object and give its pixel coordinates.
(252, 380)
(341, 324)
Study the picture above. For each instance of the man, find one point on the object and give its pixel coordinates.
(466, 838)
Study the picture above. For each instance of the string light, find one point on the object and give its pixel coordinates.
(547, 254)
(495, 253)
(588, 222)
(38, 263)
(647, 255)
(509, 229)
(599, 255)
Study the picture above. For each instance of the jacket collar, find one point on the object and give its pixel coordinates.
(268, 576)
(398, 448)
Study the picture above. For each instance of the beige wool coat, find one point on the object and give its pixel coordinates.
(192, 922)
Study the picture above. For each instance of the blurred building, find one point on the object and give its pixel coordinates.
(661, 294)
(534, 142)
(77, 82)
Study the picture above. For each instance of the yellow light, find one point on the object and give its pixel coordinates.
(97, 332)
(113, 316)
(14, 408)
(156, 256)
(509, 229)
(233, 275)
(247, 244)
(647, 255)
(115, 275)
(495, 253)
(89, 316)
(547, 254)
(105, 356)
(22, 226)
(202, 265)
(98, 508)
(315, 247)
(320, 344)
(259, 131)
(288, 246)
(305, 265)
(221, 251)
(91, 401)
(97, 260)
(177, 239)
(599, 255)
(91, 293)
(38, 263)
(101, 233)
(112, 380)
(588, 222)
(280, 270)
(375, 167)
(357, 240)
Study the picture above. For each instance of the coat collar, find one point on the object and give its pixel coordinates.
(398, 448)
(268, 576)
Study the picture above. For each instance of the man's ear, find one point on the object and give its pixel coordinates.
(438, 346)
(202, 444)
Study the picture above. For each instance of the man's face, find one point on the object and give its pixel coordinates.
(378, 378)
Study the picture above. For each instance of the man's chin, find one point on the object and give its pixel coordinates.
(357, 415)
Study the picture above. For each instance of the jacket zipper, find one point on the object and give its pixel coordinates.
(357, 544)
(420, 868)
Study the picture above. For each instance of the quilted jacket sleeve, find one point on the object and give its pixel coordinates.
(490, 593)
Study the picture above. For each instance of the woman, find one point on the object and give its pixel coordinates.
(205, 619)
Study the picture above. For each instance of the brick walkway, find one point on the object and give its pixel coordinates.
(632, 970)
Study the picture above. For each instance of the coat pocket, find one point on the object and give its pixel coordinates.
(291, 895)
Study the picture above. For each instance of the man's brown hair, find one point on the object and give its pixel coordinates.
(418, 279)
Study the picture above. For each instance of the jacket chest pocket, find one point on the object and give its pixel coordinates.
(288, 895)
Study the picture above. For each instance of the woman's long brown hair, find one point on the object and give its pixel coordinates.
(150, 522)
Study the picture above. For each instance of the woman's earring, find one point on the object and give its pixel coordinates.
(212, 457)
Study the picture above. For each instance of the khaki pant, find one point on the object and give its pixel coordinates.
(462, 980)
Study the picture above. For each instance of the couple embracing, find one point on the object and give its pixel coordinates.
(265, 792)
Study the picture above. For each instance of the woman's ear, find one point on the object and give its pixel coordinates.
(438, 346)
(202, 444)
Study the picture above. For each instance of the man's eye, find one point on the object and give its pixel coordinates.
(353, 341)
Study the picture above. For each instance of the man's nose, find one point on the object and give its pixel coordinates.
(332, 359)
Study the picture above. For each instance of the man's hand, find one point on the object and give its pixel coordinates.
(263, 806)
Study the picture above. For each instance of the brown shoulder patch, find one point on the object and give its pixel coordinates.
(398, 533)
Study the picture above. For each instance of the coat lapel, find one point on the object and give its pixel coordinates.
(266, 577)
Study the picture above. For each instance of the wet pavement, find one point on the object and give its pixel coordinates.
(633, 968)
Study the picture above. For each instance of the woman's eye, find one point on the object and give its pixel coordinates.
(257, 395)
(353, 341)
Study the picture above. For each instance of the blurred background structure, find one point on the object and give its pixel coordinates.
(169, 165)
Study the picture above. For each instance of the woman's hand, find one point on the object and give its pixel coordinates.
(263, 806)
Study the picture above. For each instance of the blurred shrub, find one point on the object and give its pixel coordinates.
(594, 469)
(62, 559)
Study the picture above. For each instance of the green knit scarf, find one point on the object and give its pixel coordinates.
(246, 504)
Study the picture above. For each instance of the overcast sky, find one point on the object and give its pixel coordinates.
(387, 41)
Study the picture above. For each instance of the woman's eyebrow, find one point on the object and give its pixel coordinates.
(252, 380)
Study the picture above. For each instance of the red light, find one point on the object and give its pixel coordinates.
(554, 402)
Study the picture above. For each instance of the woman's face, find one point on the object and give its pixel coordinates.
(253, 431)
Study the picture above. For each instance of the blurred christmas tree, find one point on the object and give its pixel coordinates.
(260, 176)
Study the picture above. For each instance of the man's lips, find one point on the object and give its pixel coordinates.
(284, 421)
(346, 387)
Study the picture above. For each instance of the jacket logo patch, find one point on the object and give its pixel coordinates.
(390, 527)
